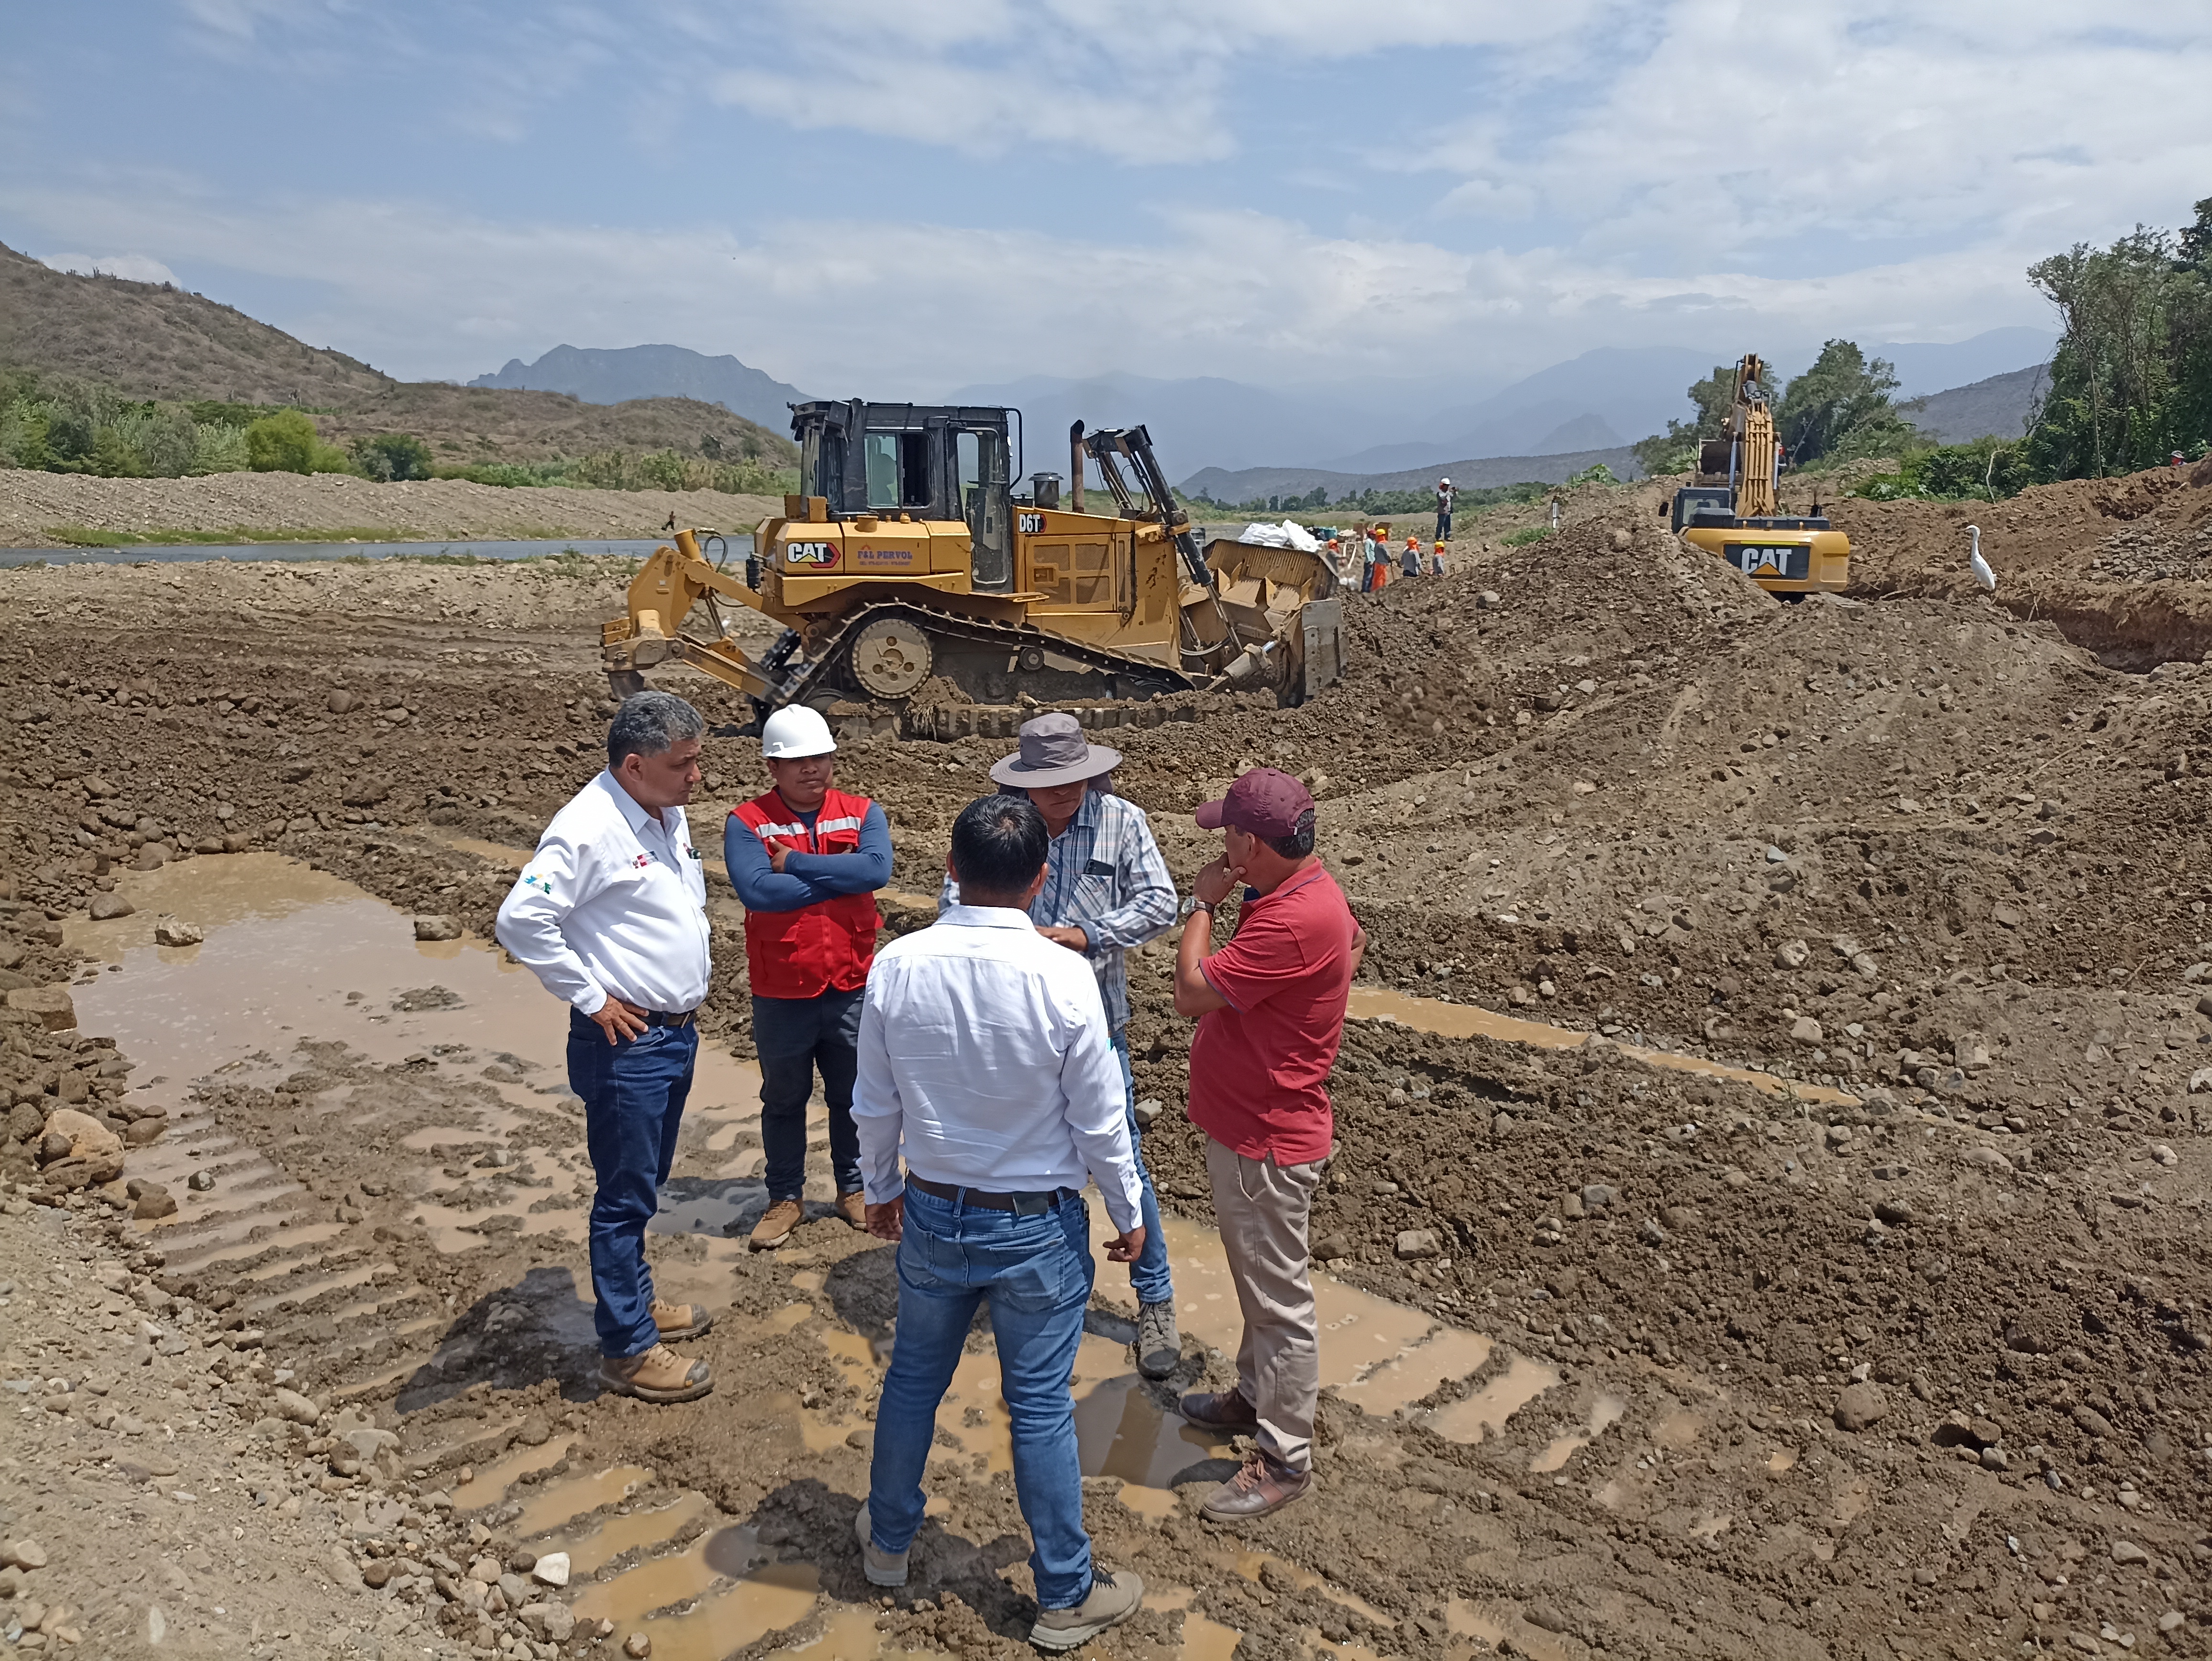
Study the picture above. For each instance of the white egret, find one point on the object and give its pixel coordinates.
(1983, 575)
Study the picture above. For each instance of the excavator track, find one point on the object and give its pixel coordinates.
(951, 638)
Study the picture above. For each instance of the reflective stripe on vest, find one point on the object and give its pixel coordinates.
(825, 946)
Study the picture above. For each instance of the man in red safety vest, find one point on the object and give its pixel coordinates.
(806, 860)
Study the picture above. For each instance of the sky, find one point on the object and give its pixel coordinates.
(901, 197)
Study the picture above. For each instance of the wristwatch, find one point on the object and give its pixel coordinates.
(1196, 904)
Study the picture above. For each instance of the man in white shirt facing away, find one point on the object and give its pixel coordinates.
(611, 914)
(986, 1058)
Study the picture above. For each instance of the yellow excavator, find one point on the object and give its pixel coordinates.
(1730, 510)
(906, 557)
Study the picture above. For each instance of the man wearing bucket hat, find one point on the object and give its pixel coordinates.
(1270, 1008)
(1106, 890)
(806, 860)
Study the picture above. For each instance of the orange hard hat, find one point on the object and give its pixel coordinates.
(1413, 542)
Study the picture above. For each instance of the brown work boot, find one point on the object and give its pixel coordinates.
(659, 1375)
(853, 1208)
(1218, 1409)
(1113, 1598)
(680, 1320)
(775, 1226)
(1261, 1487)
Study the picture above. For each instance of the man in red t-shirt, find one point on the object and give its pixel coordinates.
(1270, 1006)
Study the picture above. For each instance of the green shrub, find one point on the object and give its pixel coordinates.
(391, 456)
(284, 442)
(1519, 538)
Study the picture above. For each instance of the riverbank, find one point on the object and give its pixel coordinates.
(59, 510)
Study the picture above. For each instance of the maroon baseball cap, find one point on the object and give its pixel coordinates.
(1265, 802)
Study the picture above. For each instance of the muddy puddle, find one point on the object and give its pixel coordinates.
(292, 956)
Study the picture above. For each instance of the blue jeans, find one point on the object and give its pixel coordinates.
(793, 1036)
(1038, 1272)
(1148, 1276)
(1443, 528)
(633, 1093)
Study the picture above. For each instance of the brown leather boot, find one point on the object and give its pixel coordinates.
(659, 1375)
(853, 1208)
(678, 1321)
(1218, 1409)
(775, 1226)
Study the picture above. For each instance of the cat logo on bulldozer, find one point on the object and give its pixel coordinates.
(810, 553)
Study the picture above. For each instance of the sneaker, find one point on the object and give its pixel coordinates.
(1261, 1487)
(853, 1208)
(680, 1320)
(1218, 1409)
(659, 1375)
(775, 1226)
(883, 1569)
(1159, 1346)
(1113, 1599)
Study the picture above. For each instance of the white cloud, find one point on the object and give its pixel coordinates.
(914, 309)
(135, 267)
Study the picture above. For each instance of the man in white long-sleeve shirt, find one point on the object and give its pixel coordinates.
(986, 1057)
(611, 914)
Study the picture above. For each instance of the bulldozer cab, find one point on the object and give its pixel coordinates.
(942, 462)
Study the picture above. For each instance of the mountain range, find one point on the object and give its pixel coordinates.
(1204, 426)
(600, 374)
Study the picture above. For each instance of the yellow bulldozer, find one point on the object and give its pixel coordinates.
(1731, 510)
(906, 557)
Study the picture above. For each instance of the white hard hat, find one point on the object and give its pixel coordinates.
(1443, 481)
(794, 731)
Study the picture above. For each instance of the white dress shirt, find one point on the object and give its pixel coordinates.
(612, 904)
(985, 1053)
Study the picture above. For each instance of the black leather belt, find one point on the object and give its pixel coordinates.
(1022, 1205)
(655, 1018)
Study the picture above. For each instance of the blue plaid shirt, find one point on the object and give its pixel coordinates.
(1108, 877)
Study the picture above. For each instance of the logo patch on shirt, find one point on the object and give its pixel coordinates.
(643, 861)
(543, 885)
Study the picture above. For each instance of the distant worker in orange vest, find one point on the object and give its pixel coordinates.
(806, 860)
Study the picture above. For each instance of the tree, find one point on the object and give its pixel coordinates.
(1841, 407)
(284, 442)
(2132, 380)
(391, 456)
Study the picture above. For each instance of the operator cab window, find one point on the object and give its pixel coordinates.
(898, 470)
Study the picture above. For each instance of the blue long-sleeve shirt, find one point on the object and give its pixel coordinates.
(806, 878)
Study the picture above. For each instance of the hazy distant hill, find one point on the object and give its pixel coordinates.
(603, 374)
(1252, 483)
(150, 340)
(1996, 408)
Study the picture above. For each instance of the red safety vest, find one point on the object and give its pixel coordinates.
(820, 947)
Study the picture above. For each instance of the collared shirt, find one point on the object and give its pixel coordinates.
(1259, 1068)
(986, 1059)
(612, 904)
(1106, 876)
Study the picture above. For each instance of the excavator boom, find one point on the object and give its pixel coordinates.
(1734, 509)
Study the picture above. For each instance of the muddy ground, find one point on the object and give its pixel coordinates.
(1909, 1361)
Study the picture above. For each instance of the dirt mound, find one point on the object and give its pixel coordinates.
(2122, 566)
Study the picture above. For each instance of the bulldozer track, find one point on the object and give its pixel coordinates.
(824, 670)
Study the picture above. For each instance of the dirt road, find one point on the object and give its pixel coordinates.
(1630, 1358)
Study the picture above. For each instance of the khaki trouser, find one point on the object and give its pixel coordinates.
(1262, 1208)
